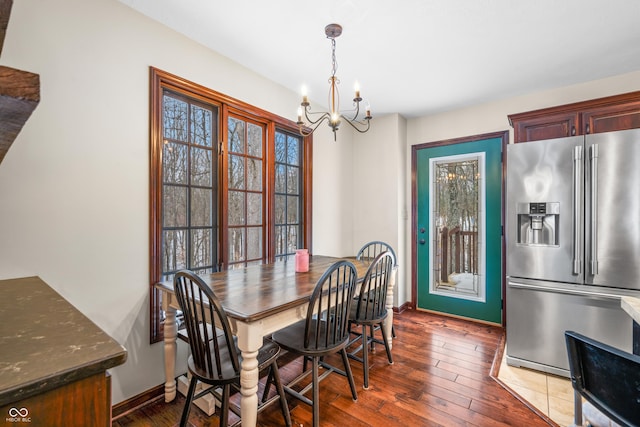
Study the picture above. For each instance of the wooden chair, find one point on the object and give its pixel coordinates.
(215, 358)
(370, 310)
(323, 332)
(606, 377)
(369, 251)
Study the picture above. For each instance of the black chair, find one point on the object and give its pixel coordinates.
(372, 249)
(323, 332)
(606, 377)
(215, 358)
(370, 310)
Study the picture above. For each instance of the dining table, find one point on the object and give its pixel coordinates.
(258, 300)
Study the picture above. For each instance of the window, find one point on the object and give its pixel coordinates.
(288, 188)
(230, 184)
(189, 185)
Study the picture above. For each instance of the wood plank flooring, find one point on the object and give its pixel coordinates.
(440, 377)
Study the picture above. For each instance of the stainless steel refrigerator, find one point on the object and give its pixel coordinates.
(573, 244)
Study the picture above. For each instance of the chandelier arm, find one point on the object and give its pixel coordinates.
(323, 116)
(313, 125)
(352, 124)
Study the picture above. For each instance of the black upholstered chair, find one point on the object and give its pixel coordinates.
(608, 378)
(323, 332)
(215, 358)
(369, 310)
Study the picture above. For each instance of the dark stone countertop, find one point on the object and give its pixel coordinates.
(45, 342)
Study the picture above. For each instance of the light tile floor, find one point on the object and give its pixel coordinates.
(550, 394)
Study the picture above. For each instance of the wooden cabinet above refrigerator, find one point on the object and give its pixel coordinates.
(618, 112)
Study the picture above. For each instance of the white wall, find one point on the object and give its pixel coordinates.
(379, 209)
(74, 187)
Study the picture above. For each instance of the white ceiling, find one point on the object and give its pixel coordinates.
(416, 57)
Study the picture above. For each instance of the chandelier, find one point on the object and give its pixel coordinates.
(334, 117)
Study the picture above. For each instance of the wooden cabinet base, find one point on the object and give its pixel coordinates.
(86, 403)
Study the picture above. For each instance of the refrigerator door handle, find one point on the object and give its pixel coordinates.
(593, 262)
(577, 181)
(577, 292)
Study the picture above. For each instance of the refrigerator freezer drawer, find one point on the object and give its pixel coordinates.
(538, 317)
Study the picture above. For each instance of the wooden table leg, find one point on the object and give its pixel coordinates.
(388, 322)
(170, 332)
(249, 342)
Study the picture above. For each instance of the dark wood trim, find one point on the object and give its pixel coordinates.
(609, 113)
(135, 402)
(504, 136)
(576, 106)
(5, 14)
(404, 307)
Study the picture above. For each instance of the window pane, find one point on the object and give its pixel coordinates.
(174, 206)
(174, 250)
(236, 135)
(174, 163)
(236, 172)
(281, 176)
(236, 208)
(293, 150)
(236, 244)
(254, 174)
(281, 147)
(254, 242)
(201, 207)
(200, 167)
(280, 209)
(201, 255)
(201, 126)
(174, 118)
(255, 140)
(280, 238)
(254, 209)
(293, 180)
(292, 239)
(292, 209)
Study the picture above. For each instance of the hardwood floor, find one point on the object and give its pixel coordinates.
(441, 376)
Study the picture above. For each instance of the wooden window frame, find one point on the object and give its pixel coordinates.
(161, 80)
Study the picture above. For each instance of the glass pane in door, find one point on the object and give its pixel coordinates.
(457, 226)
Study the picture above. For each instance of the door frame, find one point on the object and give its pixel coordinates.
(504, 136)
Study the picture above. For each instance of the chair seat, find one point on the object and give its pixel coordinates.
(367, 316)
(266, 355)
(289, 339)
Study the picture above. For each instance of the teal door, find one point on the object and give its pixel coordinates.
(458, 222)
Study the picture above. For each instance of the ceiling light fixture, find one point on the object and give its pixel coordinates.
(334, 117)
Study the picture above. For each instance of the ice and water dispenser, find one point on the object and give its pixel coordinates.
(538, 223)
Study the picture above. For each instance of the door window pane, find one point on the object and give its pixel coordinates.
(457, 226)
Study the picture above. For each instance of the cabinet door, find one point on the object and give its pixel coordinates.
(552, 126)
(611, 118)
